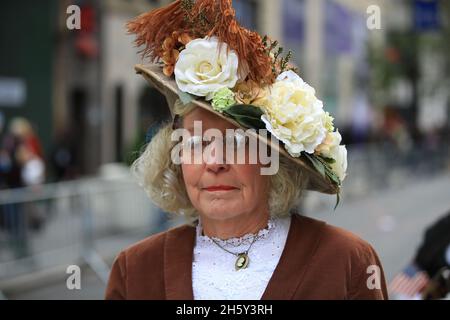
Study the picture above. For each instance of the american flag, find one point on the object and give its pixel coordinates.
(409, 283)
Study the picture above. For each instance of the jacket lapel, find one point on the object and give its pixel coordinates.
(178, 256)
(301, 244)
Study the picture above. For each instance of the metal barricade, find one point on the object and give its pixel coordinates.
(77, 222)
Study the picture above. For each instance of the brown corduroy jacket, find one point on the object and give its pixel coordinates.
(318, 262)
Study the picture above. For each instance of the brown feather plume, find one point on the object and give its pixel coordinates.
(152, 28)
(199, 19)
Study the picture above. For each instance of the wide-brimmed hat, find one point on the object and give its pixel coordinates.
(241, 77)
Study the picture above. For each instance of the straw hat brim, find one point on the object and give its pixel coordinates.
(154, 75)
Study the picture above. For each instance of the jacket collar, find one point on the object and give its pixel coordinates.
(301, 244)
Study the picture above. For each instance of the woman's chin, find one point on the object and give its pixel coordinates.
(222, 212)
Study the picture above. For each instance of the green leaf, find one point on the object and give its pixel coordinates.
(185, 97)
(338, 200)
(324, 168)
(318, 165)
(324, 161)
(328, 160)
(329, 171)
(333, 177)
(246, 115)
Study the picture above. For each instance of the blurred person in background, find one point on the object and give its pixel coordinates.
(11, 170)
(5, 164)
(5, 161)
(22, 128)
(13, 218)
(428, 275)
(28, 153)
(33, 168)
(22, 166)
(33, 176)
(396, 130)
(63, 156)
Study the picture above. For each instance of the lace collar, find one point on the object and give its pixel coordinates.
(236, 242)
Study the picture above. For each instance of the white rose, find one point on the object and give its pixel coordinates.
(294, 115)
(332, 149)
(339, 154)
(202, 69)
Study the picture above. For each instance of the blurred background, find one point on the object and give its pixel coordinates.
(74, 116)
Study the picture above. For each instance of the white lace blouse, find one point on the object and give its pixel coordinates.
(214, 276)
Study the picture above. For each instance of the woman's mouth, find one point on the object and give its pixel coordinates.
(220, 188)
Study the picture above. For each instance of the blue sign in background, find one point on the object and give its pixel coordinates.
(426, 15)
(338, 28)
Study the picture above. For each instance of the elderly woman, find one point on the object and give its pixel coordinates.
(243, 238)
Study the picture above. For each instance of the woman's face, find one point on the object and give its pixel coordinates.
(222, 191)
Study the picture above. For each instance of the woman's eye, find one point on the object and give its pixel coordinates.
(240, 140)
(193, 142)
(205, 144)
(236, 141)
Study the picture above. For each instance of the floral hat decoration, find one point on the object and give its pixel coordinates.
(200, 54)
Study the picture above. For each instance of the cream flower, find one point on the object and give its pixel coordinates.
(294, 115)
(205, 67)
(332, 149)
(339, 154)
(332, 140)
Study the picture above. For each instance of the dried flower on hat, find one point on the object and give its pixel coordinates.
(251, 93)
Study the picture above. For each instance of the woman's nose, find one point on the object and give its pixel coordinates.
(216, 161)
(217, 168)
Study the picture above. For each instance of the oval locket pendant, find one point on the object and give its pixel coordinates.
(242, 261)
